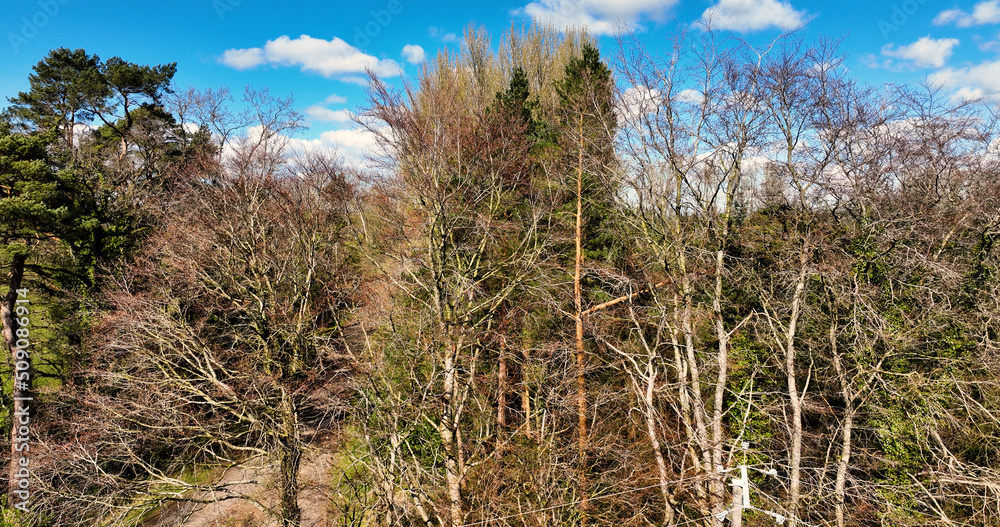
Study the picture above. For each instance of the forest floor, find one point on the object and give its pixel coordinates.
(314, 483)
(319, 470)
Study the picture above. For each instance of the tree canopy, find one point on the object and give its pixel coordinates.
(562, 289)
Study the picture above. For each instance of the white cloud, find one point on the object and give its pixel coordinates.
(81, 131)
(319, 113)
(691, 96)
(753, 15)
(982, 80)
(355, 79)
(948, 16)
(442, 35)
(354, 144)
(329, 58)
(414, 54)
(603, 17)
(924, 53)
(987, 12)
(335, 99)
(637, 101)
(969, 93)
(989, 46)
(354, 139)
(243, 59)
(872, 61)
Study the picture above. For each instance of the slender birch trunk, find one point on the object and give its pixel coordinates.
(449, 436)
(722, 376)
(793, 395)
(654, 442)
(844, 460)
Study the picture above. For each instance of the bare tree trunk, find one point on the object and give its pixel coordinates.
(689, 376)
(291, 455)
(845, 446)
(21, 388)
(654, 442)
(793, 394)
(581, 357)
(718, 413)
(449, 436)
(643, 377)
(502, 387)
(525, 395)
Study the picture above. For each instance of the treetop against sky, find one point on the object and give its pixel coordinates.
(319, 51)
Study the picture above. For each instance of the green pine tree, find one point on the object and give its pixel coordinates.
(66, 89)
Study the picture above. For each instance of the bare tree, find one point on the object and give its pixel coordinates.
(693, 121)
(225, 331)
(462, 251)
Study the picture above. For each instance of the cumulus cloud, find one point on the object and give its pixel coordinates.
(335, 99)
(982, 80)
(243, 59)
(987, 12)
(637, 101)
(691, 96)
(924, 53)
(602, 17)
(329, 58)
(319, 113)
(414, 54)
(753, 15)
(358, 140)
(353, 146)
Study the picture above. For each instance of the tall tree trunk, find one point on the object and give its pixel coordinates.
(21, 387)
(793, 395)
(845, 445)
(291, 455)
(581, 357)
(692, 408)
(654, 442)
(722, 376)
(450, 437)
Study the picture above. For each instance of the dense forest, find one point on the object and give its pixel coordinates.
(716, 285)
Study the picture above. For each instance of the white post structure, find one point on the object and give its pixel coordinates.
(741, 498)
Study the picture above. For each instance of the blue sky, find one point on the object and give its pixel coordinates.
(317, 51)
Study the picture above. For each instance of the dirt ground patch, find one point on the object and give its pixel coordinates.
(314, 478)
